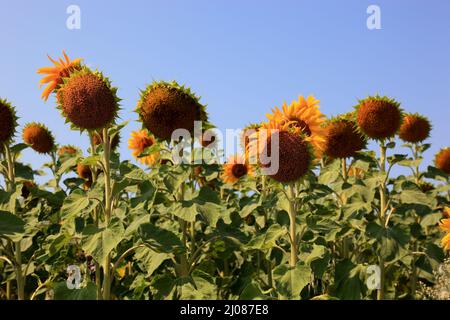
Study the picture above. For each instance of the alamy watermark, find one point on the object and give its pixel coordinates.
(73, 21)
(374, 20)
(373, 281)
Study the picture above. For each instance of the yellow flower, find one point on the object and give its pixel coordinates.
(55, 75)
(139, 141)
(446, 212)
(445, 225)
(304, 116)
(236, 168)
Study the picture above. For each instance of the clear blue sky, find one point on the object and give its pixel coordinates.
(242, 57)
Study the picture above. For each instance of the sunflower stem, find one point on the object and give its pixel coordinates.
(292, 227)
(20, 278)
(98, 281)
(108, 210)
(383, 205)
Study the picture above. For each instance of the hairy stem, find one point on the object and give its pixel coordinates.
(108, 210)
(383, 205)
(292, 228)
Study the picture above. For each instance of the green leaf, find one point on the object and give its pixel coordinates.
(16, 149)
(390, 239)
(150, 259)
(100, 242)
(11, 226)
(348, 281)
(68, 165)
(161, 240)
(318, 260)
(186, 210)
(63, 293)
(213, 212)
(150, 150)
(414, 196)
(330, 173)
(289, 282)
(267, 239)
(91, 160)
(76, 203)
(252, 291)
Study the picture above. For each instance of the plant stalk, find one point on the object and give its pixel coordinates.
(292, 227)
(107, 277)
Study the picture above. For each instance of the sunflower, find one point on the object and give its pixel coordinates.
(303, 116)
(164, 107)
(38, 137)
(236, 168)
(342, 138)
(87, 100)
(8, 121)
(55, 75)
(67, 150)
(445, 226)
(379, 117)
(426, 187)
(442, 160)
(84, 171)
(27, 186)
(295, 153)
(415, 128)
(139, 141)
(356, 172)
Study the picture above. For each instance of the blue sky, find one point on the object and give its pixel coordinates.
(242, 57)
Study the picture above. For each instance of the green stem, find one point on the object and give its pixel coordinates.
(108, 210)
(8, 290)
(383, 204)
(20, 278)
(10, 167)
(98, 281)
(292, 227)
(19, 274)
(55, 171)
(344, 169)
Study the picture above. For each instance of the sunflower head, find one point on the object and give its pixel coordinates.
(54, 76)
(38, 137)
(139, 141)
(87, 184)
(356, 172)
(84, 171)
(166, 106)
(27, 186)
(343, 139)
(426, 187)
(445, 226)
(442, 160)
(8, 121)
(97, 139)
(295, 153)
(67, 150)
(236, 168)
(379, 117)
(303, 116)
(87, 100)
(415, 128)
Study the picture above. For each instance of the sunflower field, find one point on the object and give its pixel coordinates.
(335, 220)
